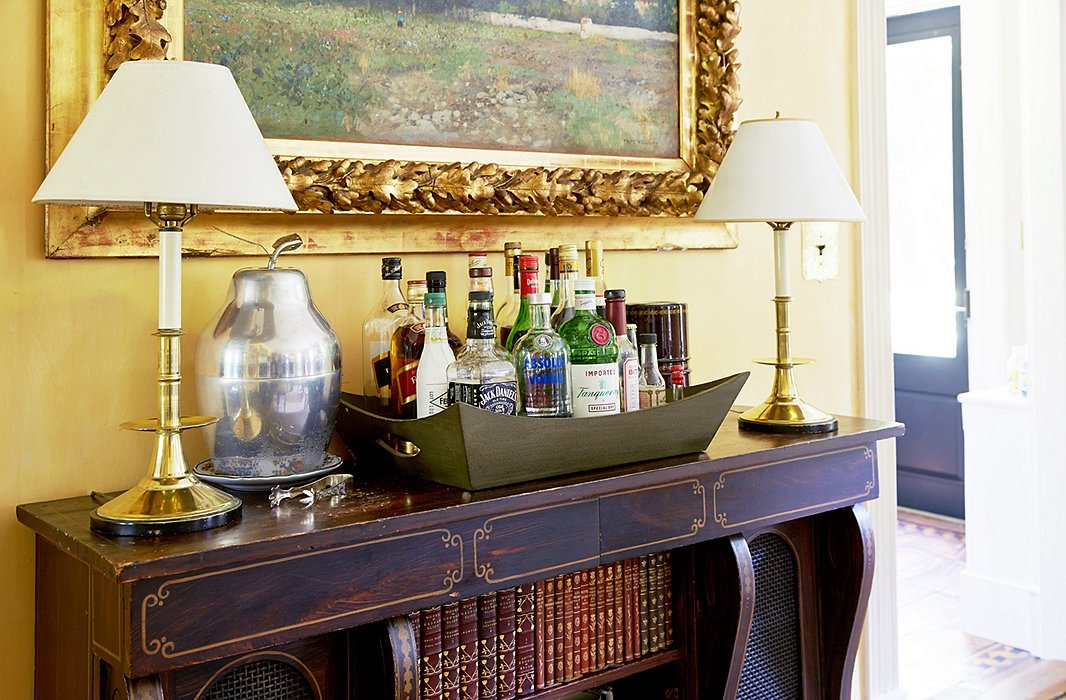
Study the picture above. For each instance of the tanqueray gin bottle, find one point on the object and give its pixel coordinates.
(483, 373)
(593, 356)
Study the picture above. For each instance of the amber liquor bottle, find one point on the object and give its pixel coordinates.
(377, 338)
(407, 342)
(507, 314)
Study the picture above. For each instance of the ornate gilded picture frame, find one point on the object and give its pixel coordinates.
(375, 197)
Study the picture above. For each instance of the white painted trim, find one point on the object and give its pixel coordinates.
(878, 667)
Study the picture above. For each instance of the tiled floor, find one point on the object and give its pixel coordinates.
(937, 659)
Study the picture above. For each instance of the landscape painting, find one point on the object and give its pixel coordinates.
(593, 77)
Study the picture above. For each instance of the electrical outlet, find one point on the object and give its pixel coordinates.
(821, 250)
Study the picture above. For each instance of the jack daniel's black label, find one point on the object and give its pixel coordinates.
(498, 397)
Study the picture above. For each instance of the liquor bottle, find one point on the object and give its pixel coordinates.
(483, 373)
(480, 279)
(437, 283)
(595, 270)
(377, 337)
(551, 275)
(431, 388)
(405, 352)
(479, 259)
(652, 384)
(677, 383)
(593, 357)
(628, 365)
(507, 314)
(528, 273)
(543, 363)
(631, 333)
(564, 311)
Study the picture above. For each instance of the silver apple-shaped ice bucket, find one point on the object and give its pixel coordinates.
(269, 366)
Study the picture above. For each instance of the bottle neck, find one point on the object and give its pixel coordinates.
(649, 358)
(616, 314)
(585, 302)
(435, 317)
(392, 295)
(566, 287)
(541, 317)
(480, 328)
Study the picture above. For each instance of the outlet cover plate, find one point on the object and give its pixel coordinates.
(821, 250)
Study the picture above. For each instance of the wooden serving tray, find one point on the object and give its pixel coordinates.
(474, 449)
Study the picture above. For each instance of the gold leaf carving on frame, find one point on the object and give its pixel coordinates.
(135, 31)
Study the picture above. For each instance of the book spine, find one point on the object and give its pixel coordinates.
(619, 612)
(568, 638)
(486, 630)
(627, 624)
(401, 636)
(604, 615)
(468, 649)
(654, 604)
(660, 598)
(506, 644)
(668, 590)
(593, 643)
(525, 640)
(645, 637)
(549, 633)
(430, 665)
(540, 635)
(560, 629)
(449, 653)
(584, 645)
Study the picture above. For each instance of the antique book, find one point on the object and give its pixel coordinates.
(660, 599)
(645, 638)
(629, 612)
(468, 649)
(525, 644)
(449, 652)
(401, 636)
(668, 591)
(549, 633)
(431, 644)
(560, 630)
(486, 631)
(540, 637)
(605, 614)
(568, 635)
(654, 605)
(506, 644)
(416, 628)
(619, 612)
(586, 639)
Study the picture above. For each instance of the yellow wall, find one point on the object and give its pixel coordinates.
(76, 357)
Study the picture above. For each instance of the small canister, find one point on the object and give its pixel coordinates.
(668, 321)
(269, 367)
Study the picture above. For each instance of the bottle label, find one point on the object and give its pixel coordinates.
(595, 389)
(406, 383)
(652, 396)
(397, 307)
(480, 325)
(630, 384)
(432, 398)
(379, 365)
(498, 397)
(600, 334)
(529, 282)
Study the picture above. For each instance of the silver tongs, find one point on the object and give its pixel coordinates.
(332, 486)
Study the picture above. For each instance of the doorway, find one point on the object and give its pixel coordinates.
(928, 266)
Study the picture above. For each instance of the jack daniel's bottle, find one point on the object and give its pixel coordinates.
(483, 373)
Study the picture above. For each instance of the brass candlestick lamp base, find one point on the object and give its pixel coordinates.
(169, 499)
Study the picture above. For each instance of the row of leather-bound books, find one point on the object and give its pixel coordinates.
(517, 641)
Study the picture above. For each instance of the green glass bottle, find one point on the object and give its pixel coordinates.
(528, 272)
(593, 356)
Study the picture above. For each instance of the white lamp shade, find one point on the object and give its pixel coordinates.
(174, 132)
(779, 170)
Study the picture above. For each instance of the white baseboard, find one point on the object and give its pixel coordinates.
(1001, 611)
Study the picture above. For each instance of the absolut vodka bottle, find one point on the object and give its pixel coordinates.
(543, 363)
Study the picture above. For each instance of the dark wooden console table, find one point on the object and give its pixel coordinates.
(161, 618)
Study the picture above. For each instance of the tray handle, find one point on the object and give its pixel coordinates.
(412, 450)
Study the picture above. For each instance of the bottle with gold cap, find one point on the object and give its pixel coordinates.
(407, 343)
(594, 269)
(507, 314)
(567, 276)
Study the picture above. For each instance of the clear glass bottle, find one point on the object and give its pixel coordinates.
(479, 259)
(543, 363)
(437, 283)
(652, 384)
(406, 351)
(551, 275)
(677, 383)
(507, 314)
(631, 333)
(431, 387)
(594, 269)
(593, 357)
(483, 373)
(528, 270)
(628, 365)
(377, 337)
(564, 311)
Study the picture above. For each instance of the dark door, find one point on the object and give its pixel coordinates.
(927, 241)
